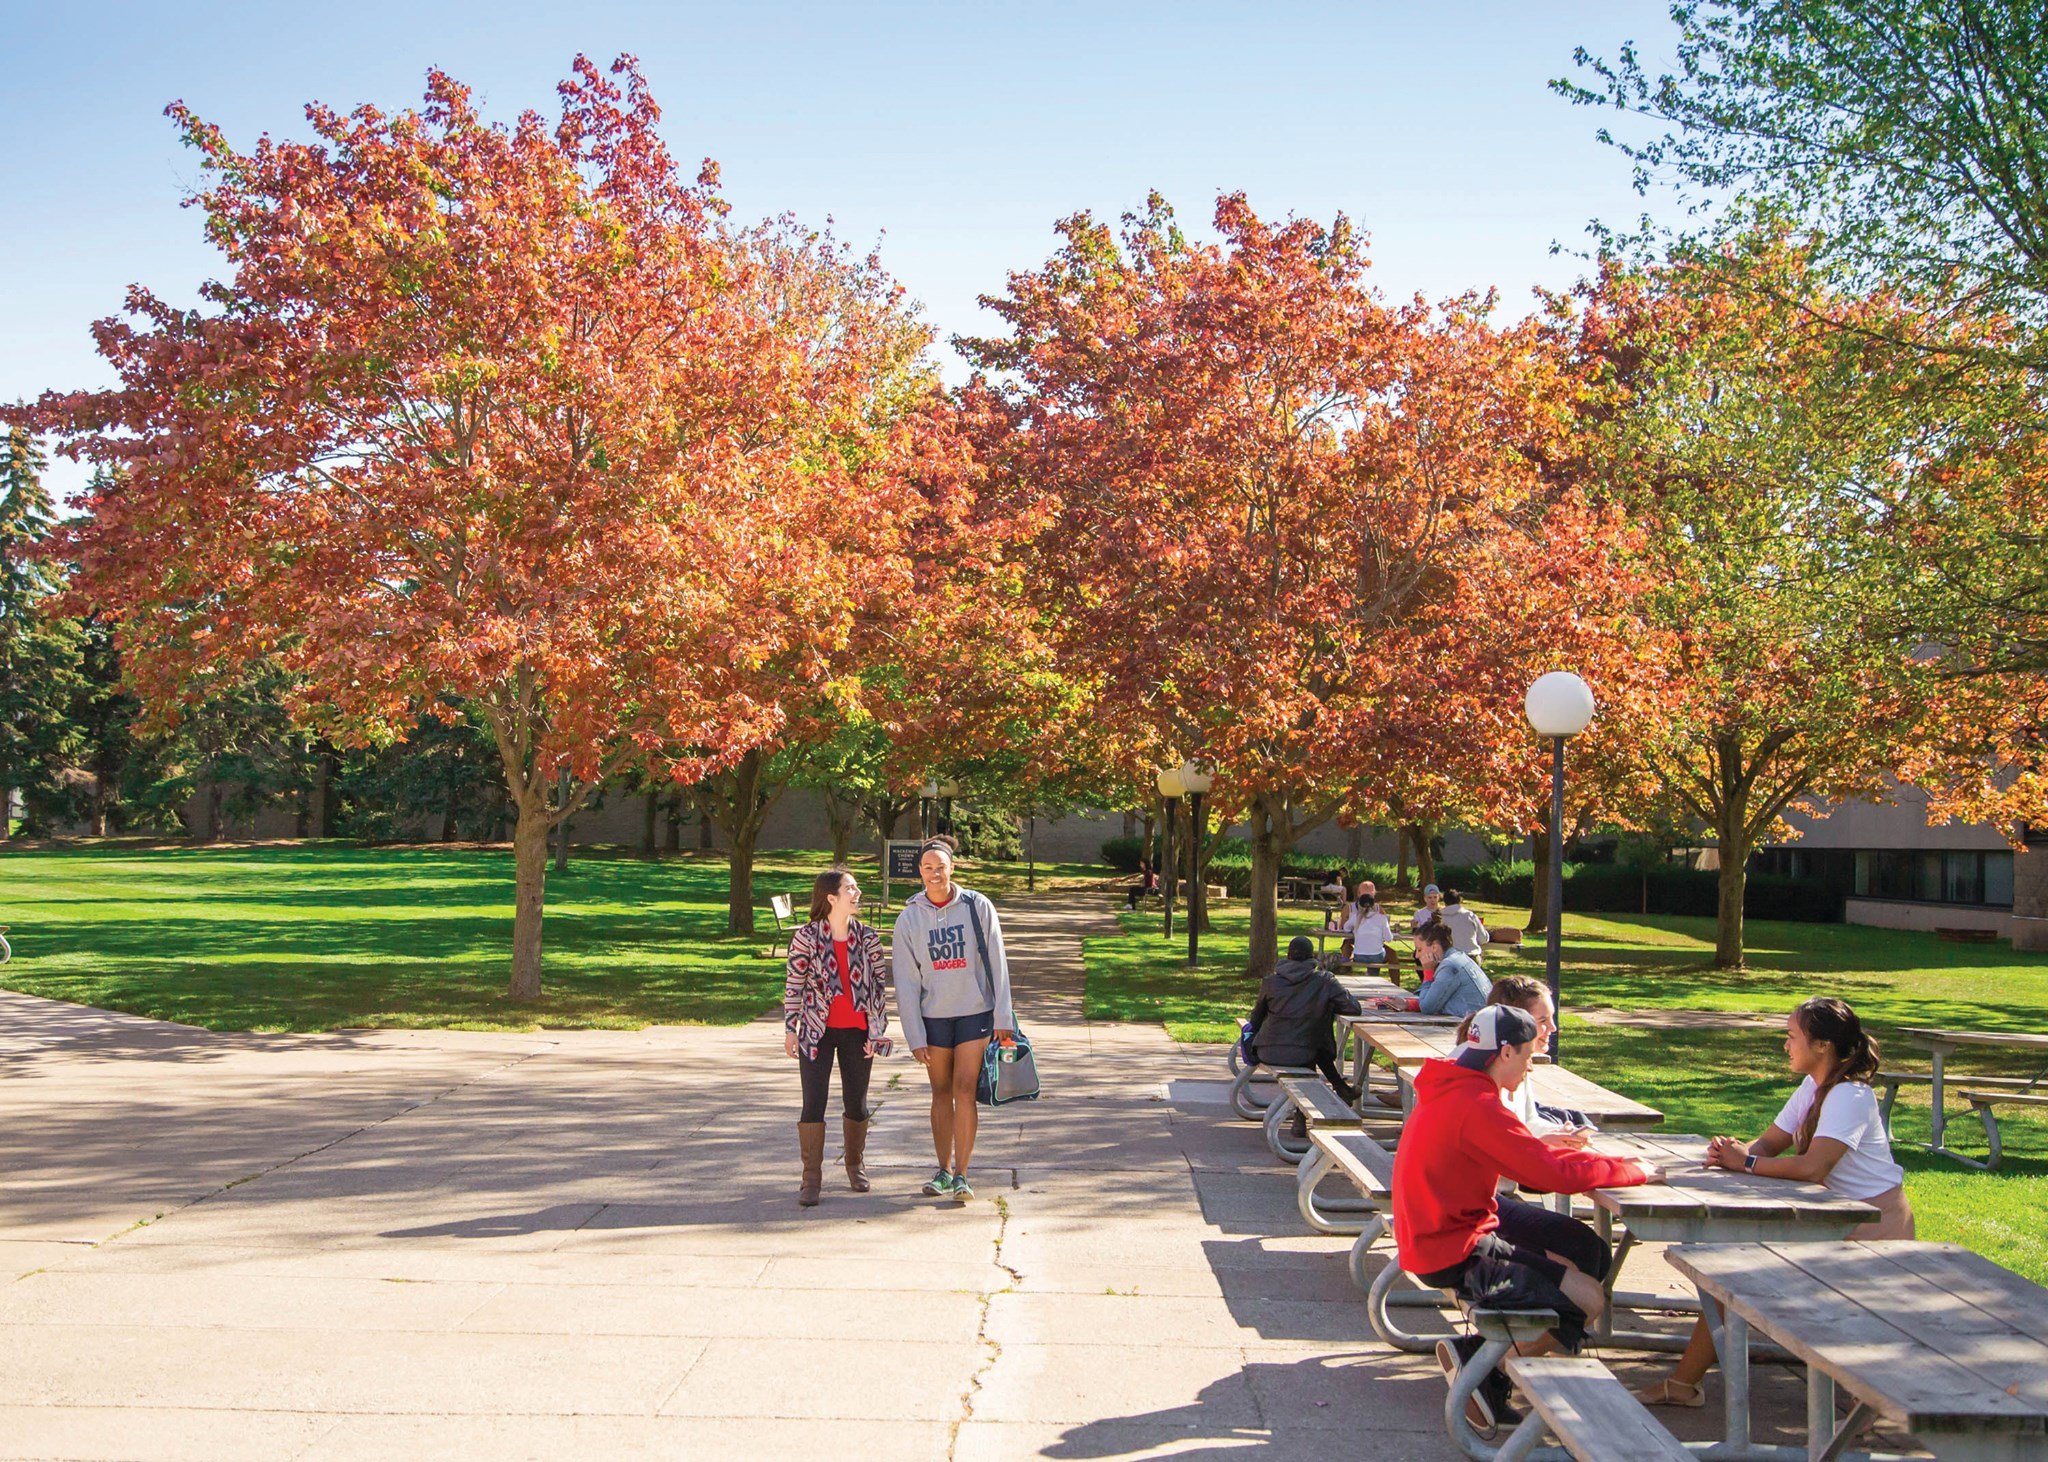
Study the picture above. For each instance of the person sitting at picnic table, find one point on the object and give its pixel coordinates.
(1147, 884)
(1834, 1126)
(1453, 1231)
(1337, 887)
(1366, 931)
(1468, 930)
(1430, 910)
(1294, 1021)
(1452, 983)
(1558, 1126)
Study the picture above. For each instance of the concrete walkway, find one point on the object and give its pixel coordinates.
(406, 1244)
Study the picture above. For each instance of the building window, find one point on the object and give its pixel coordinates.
(1974, 878)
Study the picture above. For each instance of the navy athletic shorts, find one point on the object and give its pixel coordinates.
(948, 1031)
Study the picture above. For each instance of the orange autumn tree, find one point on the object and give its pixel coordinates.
(499, 422)
(1264, 504)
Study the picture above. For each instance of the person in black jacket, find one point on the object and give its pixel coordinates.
(1294, 1022)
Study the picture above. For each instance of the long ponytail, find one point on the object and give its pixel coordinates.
(1830, 1022)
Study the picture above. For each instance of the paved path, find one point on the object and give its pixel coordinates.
(407, 1244)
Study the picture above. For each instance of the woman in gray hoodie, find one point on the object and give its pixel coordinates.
(952, 997)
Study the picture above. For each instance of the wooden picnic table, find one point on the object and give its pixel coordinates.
(1404, 1040)
(1931, 1337)
(1941, 1044)
(1699, 1204)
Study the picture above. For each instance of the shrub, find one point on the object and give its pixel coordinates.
(1122, 854)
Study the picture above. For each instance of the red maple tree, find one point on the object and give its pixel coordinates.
(504, 422)
(1290, 529)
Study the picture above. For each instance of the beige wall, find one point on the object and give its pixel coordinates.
(1900, 914)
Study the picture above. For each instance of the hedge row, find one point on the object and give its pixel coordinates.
(1589, 888)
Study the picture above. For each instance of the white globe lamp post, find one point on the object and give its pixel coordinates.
(1170, 788)
(1559, 705)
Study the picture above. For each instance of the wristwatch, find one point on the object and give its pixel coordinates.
(1749, 1163)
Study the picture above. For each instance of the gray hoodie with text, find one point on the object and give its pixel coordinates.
(938, 966)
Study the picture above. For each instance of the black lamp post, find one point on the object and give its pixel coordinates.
(1169, 788)
(1559, 706)
(1196, 783)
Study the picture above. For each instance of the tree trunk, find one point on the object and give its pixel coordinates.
(562, 827)
(529, 887)
(1401, 857)
(672, 833)
(1269, 844)
(99, 809)
(705, 842)
(1425, 864)
(448, 815)
(647, 819)
(1539, 900)
(1197, 912)
(739, 897)
(1732, 832)
(841, 818)
(209, 828)
(1030, 852)
(324, 810)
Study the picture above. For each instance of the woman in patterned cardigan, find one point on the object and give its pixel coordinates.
(834, 1000)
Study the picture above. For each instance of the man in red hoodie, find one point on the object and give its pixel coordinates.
(1456, 1146)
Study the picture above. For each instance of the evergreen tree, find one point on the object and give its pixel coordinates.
(39, 650)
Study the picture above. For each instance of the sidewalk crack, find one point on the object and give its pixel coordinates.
(991, 1351)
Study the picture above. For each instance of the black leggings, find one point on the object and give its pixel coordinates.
(854, 1067)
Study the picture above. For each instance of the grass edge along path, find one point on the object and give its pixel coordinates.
(1704, 1079)
(311, 936)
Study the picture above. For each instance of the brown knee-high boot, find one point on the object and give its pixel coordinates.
(856, 1154)
(810, 1138)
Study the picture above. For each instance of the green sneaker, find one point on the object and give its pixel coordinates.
(939, 1185)
(961, 1189)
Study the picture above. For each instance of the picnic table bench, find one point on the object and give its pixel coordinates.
(1358, 1157)
(1579, 1401)
(1933, 1338)
(1318, 1106)
(1984, 1094)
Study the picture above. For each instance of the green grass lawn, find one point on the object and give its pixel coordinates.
(308, 937)
(1704, 1080)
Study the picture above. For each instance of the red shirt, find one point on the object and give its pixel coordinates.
(1457, 1145)
(842, 1016)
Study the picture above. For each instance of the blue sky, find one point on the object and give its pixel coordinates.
(957, 134)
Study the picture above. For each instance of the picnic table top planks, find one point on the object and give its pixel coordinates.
(1560, 1086)
(1694, 1192)
(2014, 1040)
(1935, 1338)
(1406, 1044)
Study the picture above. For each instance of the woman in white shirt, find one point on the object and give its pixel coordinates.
(1368, 930)
(1834, 1127)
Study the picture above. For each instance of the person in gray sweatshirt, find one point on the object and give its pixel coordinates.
(952, 997)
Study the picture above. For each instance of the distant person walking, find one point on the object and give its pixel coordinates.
(953, 996)
(834, 1003)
